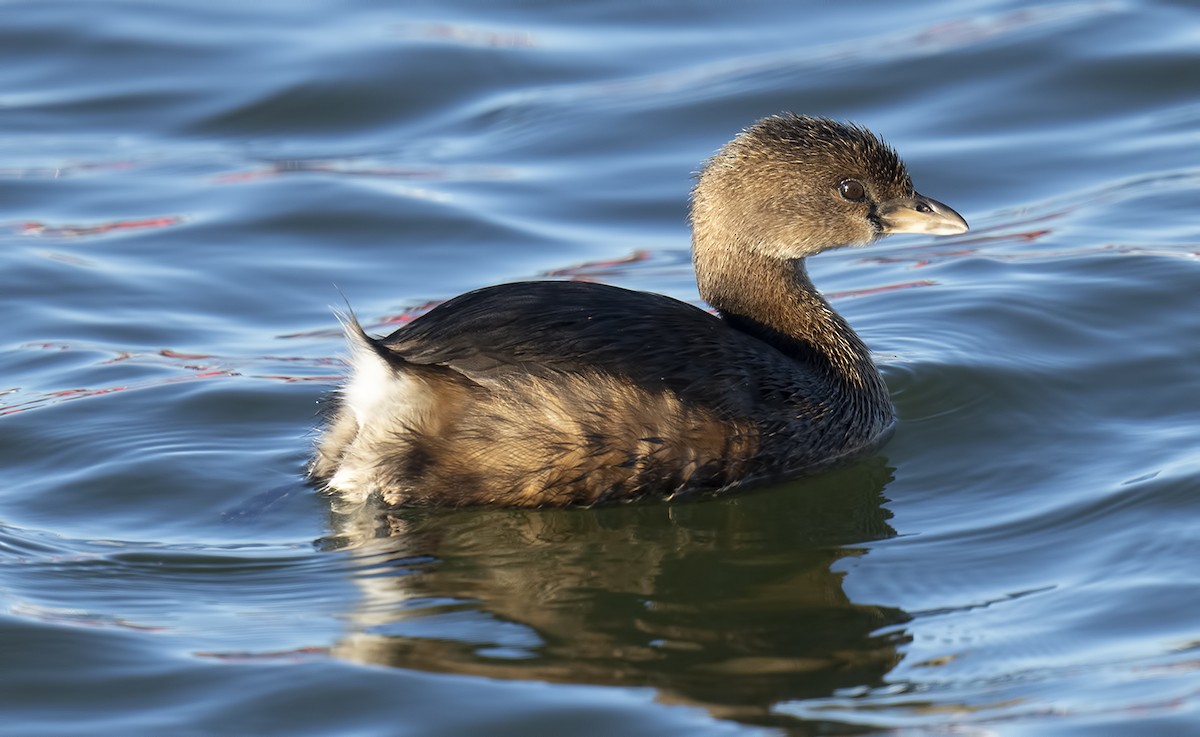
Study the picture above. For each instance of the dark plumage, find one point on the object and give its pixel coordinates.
(557, 393)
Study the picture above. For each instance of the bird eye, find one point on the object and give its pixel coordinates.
(853, 190)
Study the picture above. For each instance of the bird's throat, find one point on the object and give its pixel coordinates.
(775, 301)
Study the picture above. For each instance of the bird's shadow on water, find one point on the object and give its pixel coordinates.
(729, 604)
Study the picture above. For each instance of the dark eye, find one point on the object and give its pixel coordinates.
(853, 190)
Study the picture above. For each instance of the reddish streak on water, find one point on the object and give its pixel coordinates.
(294, 166)
(75, 231)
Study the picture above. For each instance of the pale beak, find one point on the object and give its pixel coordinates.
(920, 214)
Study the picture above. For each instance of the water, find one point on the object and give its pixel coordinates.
(185, 189)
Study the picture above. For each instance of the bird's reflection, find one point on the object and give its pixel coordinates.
(730, 604)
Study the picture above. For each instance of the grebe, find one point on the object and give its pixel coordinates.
(570, 393)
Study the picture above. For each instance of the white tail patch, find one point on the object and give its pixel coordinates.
(384, 398)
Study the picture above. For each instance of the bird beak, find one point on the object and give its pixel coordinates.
(920, 214)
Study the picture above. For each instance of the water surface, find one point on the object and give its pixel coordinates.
(186, 188)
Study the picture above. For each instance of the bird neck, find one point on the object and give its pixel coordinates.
(774, 300)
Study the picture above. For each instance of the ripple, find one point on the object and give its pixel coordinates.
(185, 189)
(715, 80)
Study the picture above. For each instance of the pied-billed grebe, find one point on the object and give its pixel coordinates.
(558, 393)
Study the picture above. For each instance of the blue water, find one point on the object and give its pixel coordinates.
(186, 188)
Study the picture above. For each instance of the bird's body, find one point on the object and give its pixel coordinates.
(561, 393)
